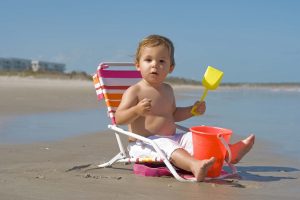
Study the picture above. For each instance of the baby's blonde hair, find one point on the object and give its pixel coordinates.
(153, 41)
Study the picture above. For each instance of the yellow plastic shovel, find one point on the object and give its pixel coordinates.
(210, 81)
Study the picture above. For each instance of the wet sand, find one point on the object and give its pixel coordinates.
(42, 170)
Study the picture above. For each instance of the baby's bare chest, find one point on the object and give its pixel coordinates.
(161, 102)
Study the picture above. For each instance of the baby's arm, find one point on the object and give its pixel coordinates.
(183, 113)
(130, 109)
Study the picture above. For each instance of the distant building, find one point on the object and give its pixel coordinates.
(37, 65)
(18, 64)
(14, 64)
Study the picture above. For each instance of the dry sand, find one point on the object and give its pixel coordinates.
(40, 170)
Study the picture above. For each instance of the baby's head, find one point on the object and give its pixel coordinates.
(153, 41)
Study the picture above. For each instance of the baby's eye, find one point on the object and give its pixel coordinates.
(148, 60)
(162, 61)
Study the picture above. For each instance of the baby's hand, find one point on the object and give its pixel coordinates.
(144, 106)
(200, 107)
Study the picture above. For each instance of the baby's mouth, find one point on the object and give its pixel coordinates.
(154, 73)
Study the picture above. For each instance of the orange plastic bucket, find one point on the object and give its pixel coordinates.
(210, 142)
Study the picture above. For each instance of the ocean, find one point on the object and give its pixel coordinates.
(272, 114)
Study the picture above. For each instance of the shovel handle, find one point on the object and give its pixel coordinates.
(193, 111)
(204, 94)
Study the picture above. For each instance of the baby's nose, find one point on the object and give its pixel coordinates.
(154, 64)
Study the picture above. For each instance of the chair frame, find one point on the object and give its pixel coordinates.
(122, 156)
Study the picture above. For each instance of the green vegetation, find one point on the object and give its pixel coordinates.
(182, 81)
(48, 74)
(278, 84)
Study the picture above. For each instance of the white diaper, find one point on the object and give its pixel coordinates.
(167, 144)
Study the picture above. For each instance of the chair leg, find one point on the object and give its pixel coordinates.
(117, 157)
(120, 144)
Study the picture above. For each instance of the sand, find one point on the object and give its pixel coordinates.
(42, 170)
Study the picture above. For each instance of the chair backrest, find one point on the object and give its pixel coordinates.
(111, 80)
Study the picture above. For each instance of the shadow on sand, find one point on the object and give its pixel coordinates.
(259, 173)
(247, 173)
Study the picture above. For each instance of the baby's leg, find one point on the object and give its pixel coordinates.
(241, 148)
(182, 159)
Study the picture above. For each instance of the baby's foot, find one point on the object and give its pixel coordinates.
(202, 167)
(241, 148)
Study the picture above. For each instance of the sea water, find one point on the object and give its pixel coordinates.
(272, 114)
(51, 126)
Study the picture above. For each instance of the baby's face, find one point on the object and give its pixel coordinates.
(155, 64)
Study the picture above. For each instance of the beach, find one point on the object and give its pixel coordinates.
(65, 169)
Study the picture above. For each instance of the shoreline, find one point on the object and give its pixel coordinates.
(83, 94)
(46, 80)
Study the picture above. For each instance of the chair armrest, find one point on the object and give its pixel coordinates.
(128, 133)
(183, 128)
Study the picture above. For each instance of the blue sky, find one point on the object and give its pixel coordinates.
(251, 41)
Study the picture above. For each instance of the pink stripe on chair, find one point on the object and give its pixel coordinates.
(119, 74)
(115, 87)
(100, 96)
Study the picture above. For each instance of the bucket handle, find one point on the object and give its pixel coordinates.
(221, 138)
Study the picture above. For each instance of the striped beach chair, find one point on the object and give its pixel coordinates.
(110, 81)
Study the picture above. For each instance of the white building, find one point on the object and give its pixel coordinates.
(18, 64)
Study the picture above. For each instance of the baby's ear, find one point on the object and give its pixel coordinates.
(137, 66)
(171, 68)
